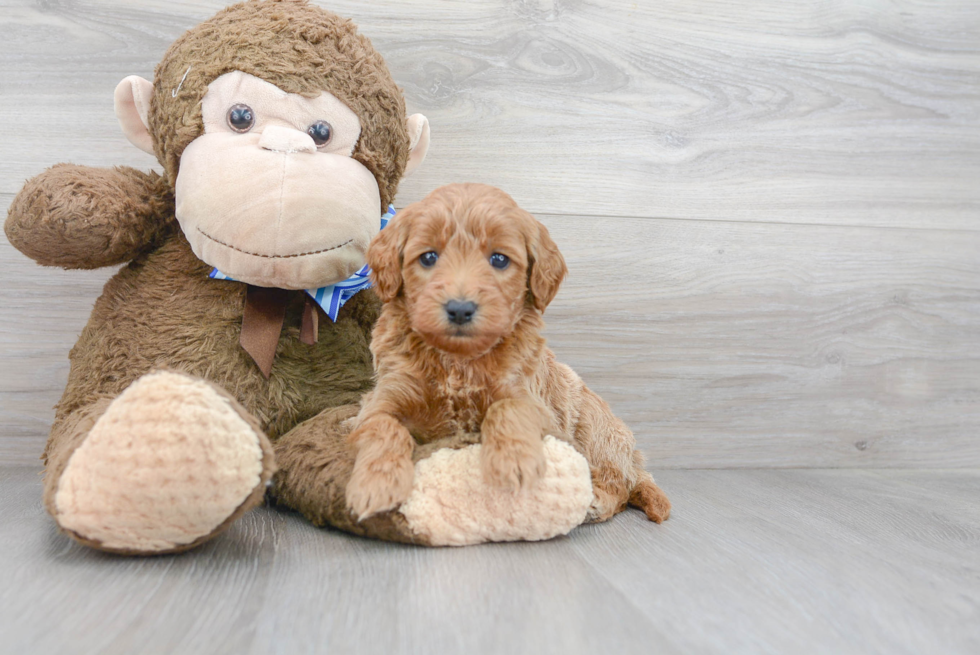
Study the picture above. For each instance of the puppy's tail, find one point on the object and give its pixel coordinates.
(646, 495)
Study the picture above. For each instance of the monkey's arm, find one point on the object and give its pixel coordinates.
(83, 217)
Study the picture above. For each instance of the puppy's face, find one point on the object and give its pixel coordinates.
(468, 262)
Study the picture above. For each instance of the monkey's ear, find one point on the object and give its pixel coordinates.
(547, 267)
(418, 134)
(384, 258)
(132, 104)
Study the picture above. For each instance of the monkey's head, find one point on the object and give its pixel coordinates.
(283, 136)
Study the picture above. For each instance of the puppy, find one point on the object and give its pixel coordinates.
(465, 275)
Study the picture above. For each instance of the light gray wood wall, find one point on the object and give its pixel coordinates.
(770, 210)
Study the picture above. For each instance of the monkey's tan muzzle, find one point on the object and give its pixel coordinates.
(264, 209)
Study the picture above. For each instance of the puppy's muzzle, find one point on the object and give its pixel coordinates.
(460, 312)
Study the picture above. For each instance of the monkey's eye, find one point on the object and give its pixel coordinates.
(241, 118)
(428, 259)
(499, 261)
(321, 132)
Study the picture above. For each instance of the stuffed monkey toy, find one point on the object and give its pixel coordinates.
(234, 340)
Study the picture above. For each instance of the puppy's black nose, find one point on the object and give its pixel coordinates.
(460, 311)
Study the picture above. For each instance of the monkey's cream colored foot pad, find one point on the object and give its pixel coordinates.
(169, 461)
(450, 504)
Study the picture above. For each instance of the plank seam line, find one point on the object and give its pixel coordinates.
(957, 230)
(863, 226)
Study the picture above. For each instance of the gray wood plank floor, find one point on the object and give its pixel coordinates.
(752, 561)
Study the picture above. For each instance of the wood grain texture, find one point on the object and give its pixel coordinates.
(751, 562)
(808, 112)
(739, 344)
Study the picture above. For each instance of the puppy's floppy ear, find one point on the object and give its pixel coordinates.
(384, 256)
(547, 266)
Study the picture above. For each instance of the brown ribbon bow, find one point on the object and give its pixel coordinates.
(265, 311)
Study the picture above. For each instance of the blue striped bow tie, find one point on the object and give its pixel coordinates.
(333, 297)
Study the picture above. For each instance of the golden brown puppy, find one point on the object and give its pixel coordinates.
(465, 275)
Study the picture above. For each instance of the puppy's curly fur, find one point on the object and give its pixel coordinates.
(465, 275)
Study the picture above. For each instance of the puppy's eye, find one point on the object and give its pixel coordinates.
(241, 118)
(428, 259)
(499, 261)
(321, 133)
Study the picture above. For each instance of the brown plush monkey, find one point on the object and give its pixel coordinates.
(283, 139)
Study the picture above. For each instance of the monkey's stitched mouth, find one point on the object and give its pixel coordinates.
(258, 254)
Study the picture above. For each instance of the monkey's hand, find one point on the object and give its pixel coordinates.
(383, 470)
(83, 217)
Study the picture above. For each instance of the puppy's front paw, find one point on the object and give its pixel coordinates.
(379, 484)
(512, 464)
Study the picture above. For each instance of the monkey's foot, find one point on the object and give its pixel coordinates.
(452, 505)
(171, 462)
